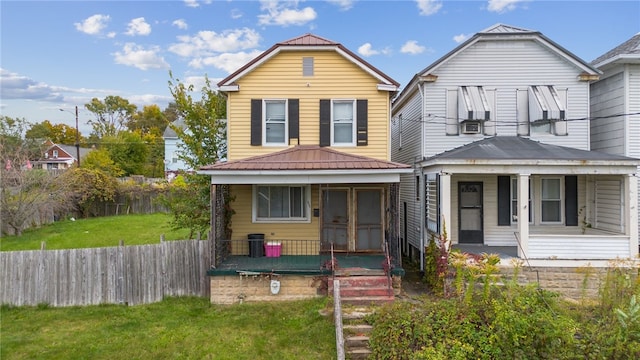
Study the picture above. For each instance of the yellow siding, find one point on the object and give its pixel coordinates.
(281, 78)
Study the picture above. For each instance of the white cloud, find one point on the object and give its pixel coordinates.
(180, 24)
(208, 42)
(228, 62)
(191, 3)
(138, 26)
(236, 14)
(428, 7)
(111, 34)
(93, 25)
(367, 50)
(412, 47)
(461, 38)
(15, 86)
(139, 57)
(285, 13)
(342, 4)
(502, 6)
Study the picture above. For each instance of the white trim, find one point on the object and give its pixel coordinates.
(301, 178)
(229, 88)
(354, 124)
(285, 141)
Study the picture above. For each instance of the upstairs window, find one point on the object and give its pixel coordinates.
(275, 122)
(342, 120)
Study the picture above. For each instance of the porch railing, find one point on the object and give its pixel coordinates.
(272, 255)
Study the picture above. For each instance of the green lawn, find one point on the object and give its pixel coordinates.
(177, 328)
(96, 232)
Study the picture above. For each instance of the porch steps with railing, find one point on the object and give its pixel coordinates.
(363, 286)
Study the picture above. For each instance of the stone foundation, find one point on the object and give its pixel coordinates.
(231, 289)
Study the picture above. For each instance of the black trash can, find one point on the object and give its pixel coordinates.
(256, 245)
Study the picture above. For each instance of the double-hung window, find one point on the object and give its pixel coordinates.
(514, 201)
(275, 122)
(551, 200)
(281, 203)
(343, 127)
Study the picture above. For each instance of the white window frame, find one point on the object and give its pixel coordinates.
(560, 200)
(265, 103)
(334, 122)
(305, 204)
(514, 201)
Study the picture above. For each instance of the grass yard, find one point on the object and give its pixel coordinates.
(177, 328)
(96, 232)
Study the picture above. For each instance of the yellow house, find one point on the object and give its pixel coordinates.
(308, 175)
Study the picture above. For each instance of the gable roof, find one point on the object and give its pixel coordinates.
(169, 132)
(520, 148)
(308, 42)
(70, 150)
(501, 32)
(627, 52)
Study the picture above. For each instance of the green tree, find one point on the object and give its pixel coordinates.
(89, 187)
(202, 142)
(154, 166)
(99, 159)
(151, 120)
(171, 112)
(112, 115)
(12, 140)
(128, 150)
(58, 133)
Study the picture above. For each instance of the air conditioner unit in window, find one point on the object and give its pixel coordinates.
(471, 127)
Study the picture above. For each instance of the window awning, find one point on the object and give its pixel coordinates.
(473, 104)
(545, 104)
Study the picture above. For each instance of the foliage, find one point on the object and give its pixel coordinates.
(12, 142)
(89, 187)
(58, 133)
(437, 261)
(111, 115)
(127, 150)
(202, 142)
(151, 120)
(176, 328)
(154, 165)
(511, 321)
(188, 202)
(134, 229)
(100, 159)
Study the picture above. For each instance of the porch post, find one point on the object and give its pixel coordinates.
(523, 215)
(445, 205)
(632, 214)
(212, 222)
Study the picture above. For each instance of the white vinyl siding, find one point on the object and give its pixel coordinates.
(608, 98)
(499, 69)
(609, 213)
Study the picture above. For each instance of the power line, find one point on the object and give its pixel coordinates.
(444, 119)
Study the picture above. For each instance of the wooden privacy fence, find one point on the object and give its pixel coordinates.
(128, 275)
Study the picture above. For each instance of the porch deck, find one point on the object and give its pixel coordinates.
(300, 264)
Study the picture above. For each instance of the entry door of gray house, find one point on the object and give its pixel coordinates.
(335, 219)
(369, 220)
(470, 213)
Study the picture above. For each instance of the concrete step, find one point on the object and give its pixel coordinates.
(357, 329)
(368, 300)
(360, 281)
(359, 272)
(356, 341)
(351, 292)
(358, 354)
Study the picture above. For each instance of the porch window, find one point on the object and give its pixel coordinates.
(275, 122)
(431, 202)
(343, 130)
(514, 202)
(551, 200)
(281, 203)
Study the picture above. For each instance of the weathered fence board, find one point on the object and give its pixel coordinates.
(132, 275)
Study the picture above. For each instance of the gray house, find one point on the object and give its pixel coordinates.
(497, 131)
(615, 102)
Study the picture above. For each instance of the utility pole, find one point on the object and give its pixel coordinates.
(77, 138)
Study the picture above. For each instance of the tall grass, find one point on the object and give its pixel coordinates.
(97, 232)
(177, 328)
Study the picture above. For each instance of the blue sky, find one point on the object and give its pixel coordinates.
(59, 54)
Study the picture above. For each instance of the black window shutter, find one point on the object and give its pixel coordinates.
(362, 115)
(325, 122)
(571, 200)
(294, 118)
(504, 200)
(256, 122)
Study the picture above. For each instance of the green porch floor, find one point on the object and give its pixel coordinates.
(299, 264)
